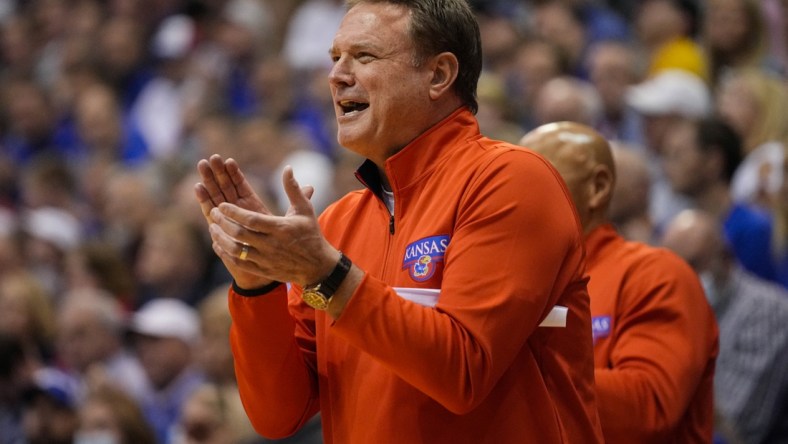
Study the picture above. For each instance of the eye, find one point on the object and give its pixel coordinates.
(365, 57)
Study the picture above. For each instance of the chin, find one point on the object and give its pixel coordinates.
(352, 140)
(346, 140)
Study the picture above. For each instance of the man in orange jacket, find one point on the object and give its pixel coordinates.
(415, 305)
(655, 336)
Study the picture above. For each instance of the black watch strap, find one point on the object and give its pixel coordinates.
(330, 284)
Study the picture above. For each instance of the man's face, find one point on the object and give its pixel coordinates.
(46, 422)
(380, 98)
(656, 128)
(727, 25)
(683, 159)
(82, 339)
(738, 106)
(657, 20)
(162, 358)
(611, 74)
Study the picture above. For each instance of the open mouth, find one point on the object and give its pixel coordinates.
(350, 107)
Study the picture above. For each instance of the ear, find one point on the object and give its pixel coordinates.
(601, 188)
(444, 69)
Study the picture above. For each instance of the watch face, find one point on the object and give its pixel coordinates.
(315, 299)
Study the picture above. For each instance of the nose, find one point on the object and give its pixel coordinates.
(341, 73)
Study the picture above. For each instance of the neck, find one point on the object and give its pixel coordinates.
(437, 112)
(594, 221)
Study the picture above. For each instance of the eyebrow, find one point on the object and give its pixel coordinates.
(355, 47)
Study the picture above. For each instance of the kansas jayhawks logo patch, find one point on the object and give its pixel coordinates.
(422, 257)
(601, 327)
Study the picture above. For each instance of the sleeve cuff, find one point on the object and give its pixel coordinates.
(252, 292)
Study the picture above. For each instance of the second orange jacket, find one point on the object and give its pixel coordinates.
(655, 343)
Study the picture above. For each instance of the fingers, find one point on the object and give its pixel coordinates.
(256, 257)
(223, 180)
(308, 191)
(210, 183)
(240, 185)
(230, 249)
(237, 222)
(236, 219)
(278, 248)
(204, 199)
(299, 201)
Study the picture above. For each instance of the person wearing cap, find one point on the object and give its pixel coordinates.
(662, 101)
(51, 233)
(165, 331)
(655, 336)
(50, 412)
(665, 97)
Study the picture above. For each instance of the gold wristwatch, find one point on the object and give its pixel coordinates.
(318, 296)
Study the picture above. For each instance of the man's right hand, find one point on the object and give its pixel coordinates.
(223, 181)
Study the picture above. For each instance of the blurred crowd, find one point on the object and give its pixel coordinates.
(113, 314)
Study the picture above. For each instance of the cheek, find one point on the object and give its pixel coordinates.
(727, 110)
(737, 107)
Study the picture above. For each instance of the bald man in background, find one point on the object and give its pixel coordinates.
(655, 337)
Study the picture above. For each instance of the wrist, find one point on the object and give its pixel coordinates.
(253, 291)
(319, 294)
(326, 267)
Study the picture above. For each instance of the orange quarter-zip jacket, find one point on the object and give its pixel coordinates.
(655, 343)
(440, 342)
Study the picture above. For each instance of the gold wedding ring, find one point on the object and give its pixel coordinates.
(244, 251)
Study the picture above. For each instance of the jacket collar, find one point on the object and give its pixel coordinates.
(419, 157)
(598, 240)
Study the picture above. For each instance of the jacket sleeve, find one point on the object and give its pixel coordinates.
(516, 243)
(274, 358)
(666, 336)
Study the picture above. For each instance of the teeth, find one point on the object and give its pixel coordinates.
(351, 107)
